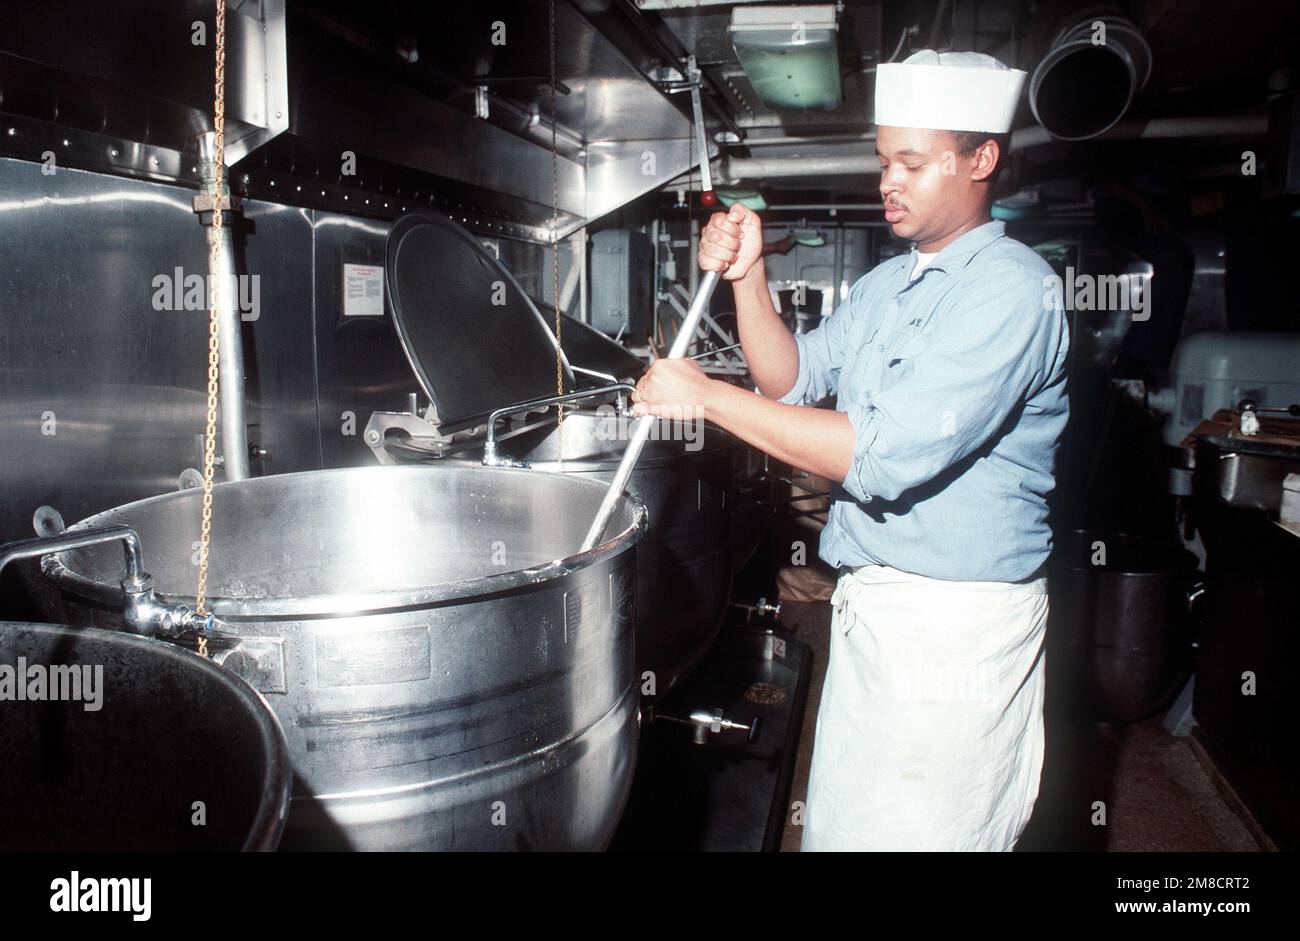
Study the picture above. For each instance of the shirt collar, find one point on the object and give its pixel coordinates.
(959, 253)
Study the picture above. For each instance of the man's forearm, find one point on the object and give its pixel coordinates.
(768, 345)
(816, 440)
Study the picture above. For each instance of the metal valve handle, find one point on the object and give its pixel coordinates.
(142, 611)
(705, 722)
(715, 723)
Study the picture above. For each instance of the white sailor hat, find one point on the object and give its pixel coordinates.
(949, 91)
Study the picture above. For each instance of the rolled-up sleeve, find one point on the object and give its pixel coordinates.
(821, 355)
(982, 358)
(798, 393)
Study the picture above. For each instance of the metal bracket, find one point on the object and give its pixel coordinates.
(701, 134)
(694, 83)
(490, 456)
(424, 430)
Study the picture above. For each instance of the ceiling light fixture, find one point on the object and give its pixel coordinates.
(789, 54)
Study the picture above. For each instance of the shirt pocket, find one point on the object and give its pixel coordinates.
(900, 352)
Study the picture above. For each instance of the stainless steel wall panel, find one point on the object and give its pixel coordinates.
(102, 396)
(361, 364)
(97, 407)
(276, 248)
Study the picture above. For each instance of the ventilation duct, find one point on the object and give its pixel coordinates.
(1085, 83)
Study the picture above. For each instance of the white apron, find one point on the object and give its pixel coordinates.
(930, 730)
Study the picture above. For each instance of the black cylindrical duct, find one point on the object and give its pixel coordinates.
(1085, 82)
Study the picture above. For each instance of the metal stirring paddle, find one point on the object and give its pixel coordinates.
(642, 430)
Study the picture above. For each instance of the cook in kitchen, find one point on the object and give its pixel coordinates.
(948, 365)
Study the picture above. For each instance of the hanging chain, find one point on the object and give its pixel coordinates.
(214, 305)
(555, 245)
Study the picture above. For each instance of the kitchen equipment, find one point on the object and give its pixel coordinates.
(592, 352)
(450, 671)
(684, 563)
(1244, 702)
(161, 750)
(622, 282)
(1245, 473)
(462, 316)
(1243, 456)
(733, 795)
(801, 307)
(1117, 634)
(473, 338)
(755, 503)
(1216, 370)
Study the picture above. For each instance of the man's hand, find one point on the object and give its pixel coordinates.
(781, 246)
(732, 242)
(673, 388)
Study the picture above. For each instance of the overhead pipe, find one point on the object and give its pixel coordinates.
(833, 207)
(1229, 125)
(230, 344)
(761, 168)
(787, 139)
(1232, 125)
(230, 355)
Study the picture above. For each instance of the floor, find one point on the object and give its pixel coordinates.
(1161, 793)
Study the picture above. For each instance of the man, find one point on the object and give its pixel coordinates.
(949, 366)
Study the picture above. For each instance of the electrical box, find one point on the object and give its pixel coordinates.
(621, 295)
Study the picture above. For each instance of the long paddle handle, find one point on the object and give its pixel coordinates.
(642, 430)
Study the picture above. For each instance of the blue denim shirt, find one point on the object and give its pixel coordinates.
(955, 386)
